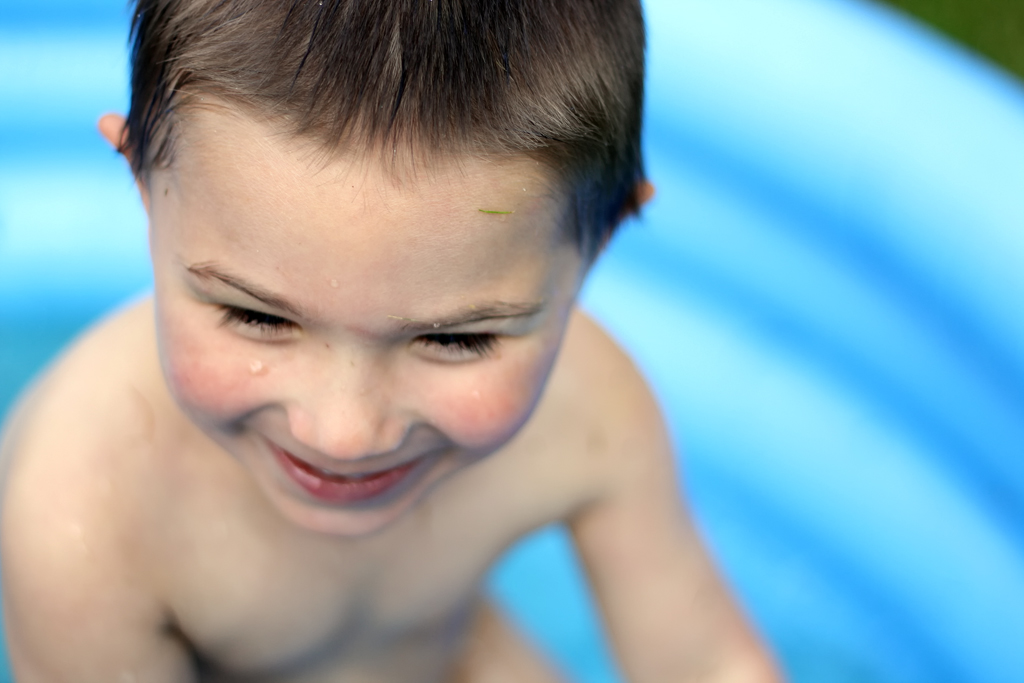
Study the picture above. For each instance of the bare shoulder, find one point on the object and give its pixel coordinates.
(593, 362)
(85, 401)
(70, 454)
(667, 609)
(71, 439)
(616, 425)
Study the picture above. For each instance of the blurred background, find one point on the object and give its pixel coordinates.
(824, 294)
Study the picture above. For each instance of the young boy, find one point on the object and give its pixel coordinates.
(361, 375)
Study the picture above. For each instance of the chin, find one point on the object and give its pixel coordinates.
(341, 523)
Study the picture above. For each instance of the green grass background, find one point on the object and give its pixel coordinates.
(994, 28)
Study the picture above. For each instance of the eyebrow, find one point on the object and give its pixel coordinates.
(497, 310)
(209, 271)
(471, 314)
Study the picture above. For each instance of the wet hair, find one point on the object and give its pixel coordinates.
(557, 80)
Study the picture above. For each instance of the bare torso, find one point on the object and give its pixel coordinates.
(193, 551)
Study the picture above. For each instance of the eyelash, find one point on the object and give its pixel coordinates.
(263, 322)
(479, 344)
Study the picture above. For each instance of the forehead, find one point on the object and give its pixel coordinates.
(213, 136)
(244, 190)
(220, 150)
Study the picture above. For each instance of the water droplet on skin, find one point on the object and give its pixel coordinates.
(256, 367)
(334, 283)
(75, 529)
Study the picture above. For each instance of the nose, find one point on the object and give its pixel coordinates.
(347, 415)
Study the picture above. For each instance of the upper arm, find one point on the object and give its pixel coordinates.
(68, 621)
(669, 614)
(76, 608)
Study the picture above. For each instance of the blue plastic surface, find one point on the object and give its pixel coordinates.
(824, 295)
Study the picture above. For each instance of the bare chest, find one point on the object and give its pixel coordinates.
(257, 602)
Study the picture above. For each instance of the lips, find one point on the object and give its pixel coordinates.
(341, 488)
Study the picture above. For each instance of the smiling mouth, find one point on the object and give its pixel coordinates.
(341, 488)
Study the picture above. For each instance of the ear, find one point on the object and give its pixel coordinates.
(642, 193)
(645, 192)
(114, 129)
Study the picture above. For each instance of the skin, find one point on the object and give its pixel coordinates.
(155, 536)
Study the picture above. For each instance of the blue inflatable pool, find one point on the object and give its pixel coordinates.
(824, 294)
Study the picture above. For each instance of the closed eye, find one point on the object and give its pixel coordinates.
(478, 344)
(257, 321)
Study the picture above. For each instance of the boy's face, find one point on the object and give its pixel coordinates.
(351, 338)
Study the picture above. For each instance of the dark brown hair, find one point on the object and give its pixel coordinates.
(559, 80)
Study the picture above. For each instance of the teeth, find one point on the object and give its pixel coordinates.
(309, 479)
(354, 477)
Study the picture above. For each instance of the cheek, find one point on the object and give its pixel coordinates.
(207, 375)
(487, 408)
